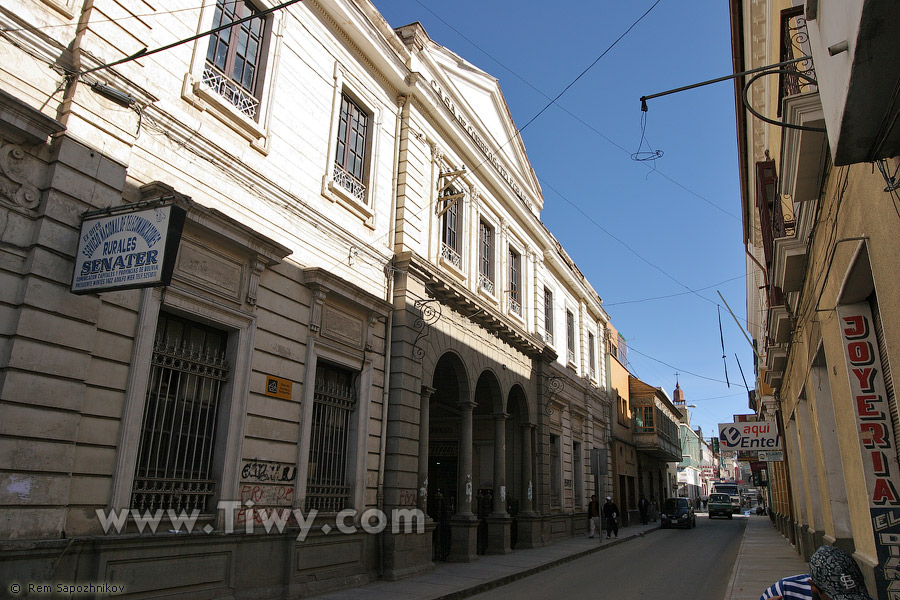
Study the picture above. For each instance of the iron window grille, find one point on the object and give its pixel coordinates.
(555, 472)
(350, 156)
(234, 56)
(334, 399)
(176, 448)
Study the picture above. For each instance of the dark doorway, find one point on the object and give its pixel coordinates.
(442, 468)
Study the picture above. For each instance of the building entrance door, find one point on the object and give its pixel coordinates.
(442, 477)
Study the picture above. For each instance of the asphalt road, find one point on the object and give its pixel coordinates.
(667, 564)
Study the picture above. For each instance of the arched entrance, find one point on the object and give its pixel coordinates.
(488, 423)
(518, 461)
(450, 387)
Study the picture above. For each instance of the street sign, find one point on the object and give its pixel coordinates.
(771, 455)
(751, 435)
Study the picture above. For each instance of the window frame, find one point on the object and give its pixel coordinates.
(570, 336)
(346, 85)
(548, 315)
(199, 93)
(487, 257)
(240, 328)
(515, 292)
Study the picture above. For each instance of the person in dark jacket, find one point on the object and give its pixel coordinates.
(644, 507)
(594, 517)
(611, 516)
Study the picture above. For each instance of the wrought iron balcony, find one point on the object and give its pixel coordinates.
(485, 283)
(350, 183)
(451, 256)
(514, 306)
(224, 86)
(798, 77)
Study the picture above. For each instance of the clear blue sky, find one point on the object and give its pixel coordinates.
(637, 230)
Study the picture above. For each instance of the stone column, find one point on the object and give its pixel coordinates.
(464, 484)
(424, 419)
(464, 524)
(500, 465)
(527, 470)
(499, 522)
(528, 522)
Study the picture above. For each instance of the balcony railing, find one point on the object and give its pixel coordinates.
(794, 44)
(485, 283)
(451, 256)
(514, 306)
(230, 91)
(350, 183)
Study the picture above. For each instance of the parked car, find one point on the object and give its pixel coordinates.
(678, 512)
(719, 505)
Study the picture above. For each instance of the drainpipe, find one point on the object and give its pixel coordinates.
(389, 293)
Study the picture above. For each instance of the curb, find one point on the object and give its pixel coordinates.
(490, 585)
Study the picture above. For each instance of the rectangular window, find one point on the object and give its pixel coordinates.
(555, 471)
(548, 316)
(570, 335)
(486, 256)
(451, 228)
(234, 56)
(515, 282)
(593, 361)
(643, 419)
(178, 432)
(334, 399)
(350, 156)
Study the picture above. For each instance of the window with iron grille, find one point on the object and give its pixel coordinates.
(235, 54)
(350, 157)
(450, 230)
(178, 433)
(515, 281)
(548, 316)
(570, 335)
(334, 399)
(486, 256)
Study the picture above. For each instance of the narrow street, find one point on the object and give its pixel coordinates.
(692, 564)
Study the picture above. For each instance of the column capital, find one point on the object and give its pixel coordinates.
(467, 404)
(501, 416)
(427, 391)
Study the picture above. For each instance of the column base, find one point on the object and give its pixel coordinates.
(499, 534)
(463, 538)
(408, 554)
(530, 530)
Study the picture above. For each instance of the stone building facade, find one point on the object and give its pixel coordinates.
(365, 316)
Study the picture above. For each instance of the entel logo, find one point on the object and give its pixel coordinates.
(730, 436)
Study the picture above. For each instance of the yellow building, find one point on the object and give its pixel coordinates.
(818, 139)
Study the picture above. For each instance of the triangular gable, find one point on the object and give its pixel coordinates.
(479, 103)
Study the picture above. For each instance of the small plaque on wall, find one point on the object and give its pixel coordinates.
(277, 387)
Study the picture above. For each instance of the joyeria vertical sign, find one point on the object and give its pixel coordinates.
(876, 438)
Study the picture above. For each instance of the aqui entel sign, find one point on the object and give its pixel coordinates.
(123, 250)
(749, 435)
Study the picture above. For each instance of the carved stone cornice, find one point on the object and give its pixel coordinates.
(452, 294)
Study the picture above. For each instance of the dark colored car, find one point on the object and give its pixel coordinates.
(678, 512)
(719, 505)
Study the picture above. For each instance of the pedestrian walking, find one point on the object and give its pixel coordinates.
(833, 575)
(594, 517)
(644, 507)
(611, 516)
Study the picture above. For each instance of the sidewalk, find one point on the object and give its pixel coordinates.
(764, 557)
